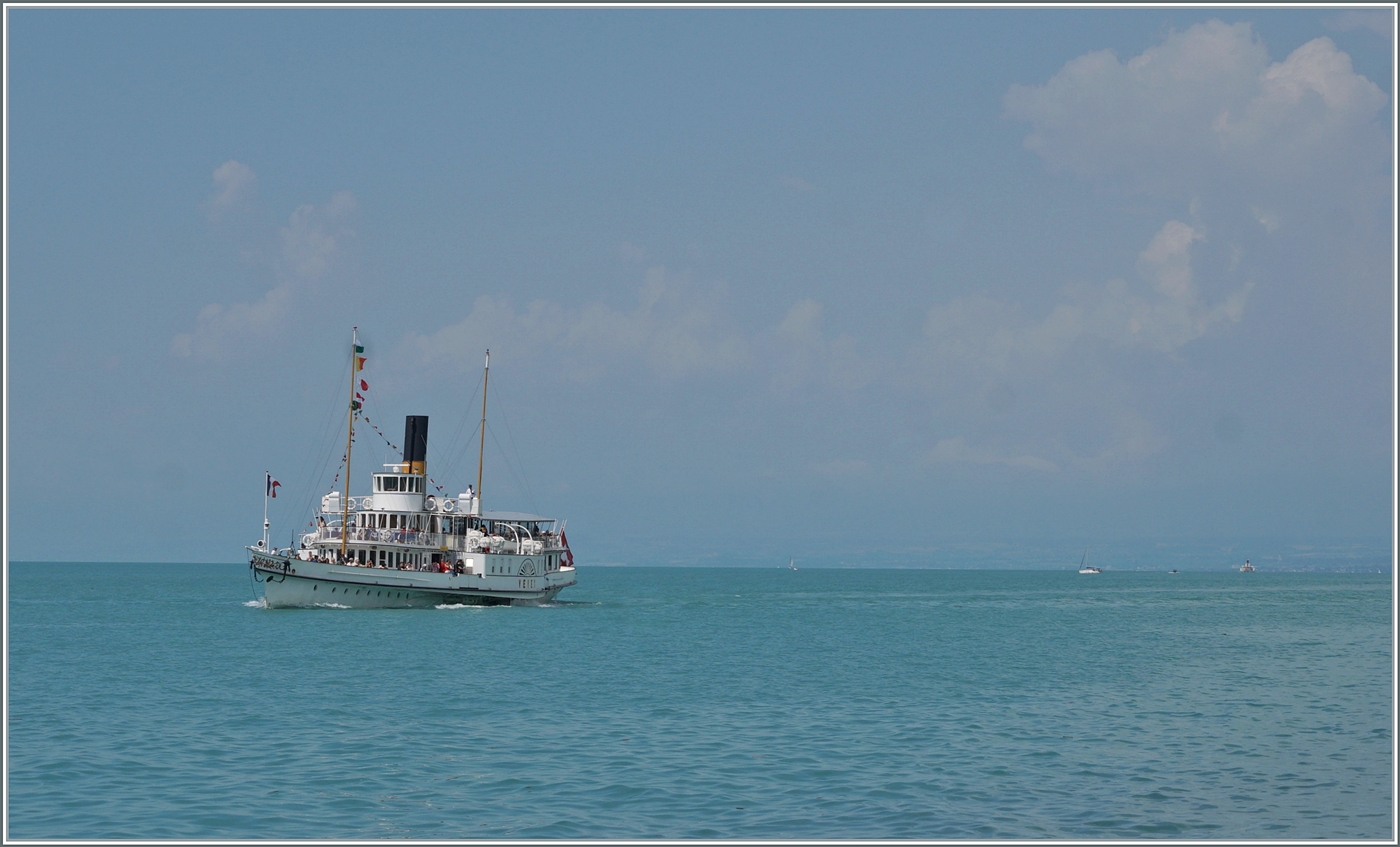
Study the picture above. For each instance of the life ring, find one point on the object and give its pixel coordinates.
(430, 503)
(367, 503)
(384, 534)
(447, 505)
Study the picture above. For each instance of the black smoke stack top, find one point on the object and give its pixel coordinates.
(415, 443)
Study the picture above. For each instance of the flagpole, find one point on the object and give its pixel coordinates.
(349, 436)
(267, 475)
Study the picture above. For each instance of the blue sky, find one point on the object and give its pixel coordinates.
(860, 284)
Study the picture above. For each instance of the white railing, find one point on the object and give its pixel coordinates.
(409, 537)
(434, 540)
(431, 503)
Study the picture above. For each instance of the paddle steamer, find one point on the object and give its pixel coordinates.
(401, 546)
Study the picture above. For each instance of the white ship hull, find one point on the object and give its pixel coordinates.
(290, 582)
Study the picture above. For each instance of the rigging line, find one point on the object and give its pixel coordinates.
(454, 466)
(309, 509)
(524, 478)
(309, 506)
(524, 489)
(461, 425)
(457, 465)
(312, 484)
(371, 444)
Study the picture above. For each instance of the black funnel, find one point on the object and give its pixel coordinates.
(415, 443)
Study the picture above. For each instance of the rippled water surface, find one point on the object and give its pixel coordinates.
(149, 701)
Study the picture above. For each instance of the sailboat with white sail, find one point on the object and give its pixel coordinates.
(1085, 567)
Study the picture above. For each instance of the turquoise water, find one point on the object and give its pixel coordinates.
(148, 701)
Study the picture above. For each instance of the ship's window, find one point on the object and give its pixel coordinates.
(314, 587)
(391, 483)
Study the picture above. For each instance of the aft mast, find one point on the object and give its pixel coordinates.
(481, 451)
(356, 362)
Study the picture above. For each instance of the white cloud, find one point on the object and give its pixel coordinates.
(1266, 218)
(986, 337)
(219, 329)
(310, 245)
(1285, 167)
(1057, 390)
(675, 331)
(314, 235)
(804, 355)
(235, 184)
(1203, 102)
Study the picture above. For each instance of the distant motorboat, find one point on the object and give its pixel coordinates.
(1173, 570)
(1085, 567)
(1246, 567)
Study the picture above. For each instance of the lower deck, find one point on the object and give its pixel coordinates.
(291, 582)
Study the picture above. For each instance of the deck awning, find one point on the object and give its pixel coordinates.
(514, 517)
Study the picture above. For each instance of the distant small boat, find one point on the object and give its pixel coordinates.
(1085, 567)
(1173, 570)
(791, 566)
(1246, 567)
